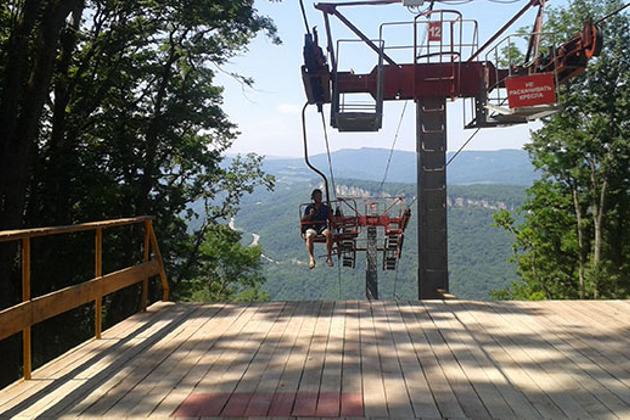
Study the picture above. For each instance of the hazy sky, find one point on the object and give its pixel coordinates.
(269, 116)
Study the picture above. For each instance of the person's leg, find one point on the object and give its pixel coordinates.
(309, 248)
(329, 245)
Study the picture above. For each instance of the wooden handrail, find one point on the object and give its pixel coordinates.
(31, 311)
(12, 235)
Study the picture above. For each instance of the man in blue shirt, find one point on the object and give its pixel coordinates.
(318, 214)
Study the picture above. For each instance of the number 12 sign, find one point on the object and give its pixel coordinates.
(435, 31)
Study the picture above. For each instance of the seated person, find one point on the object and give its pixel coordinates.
(318, 213)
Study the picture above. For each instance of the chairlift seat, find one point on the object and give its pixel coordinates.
(358, 121)
(337, 237)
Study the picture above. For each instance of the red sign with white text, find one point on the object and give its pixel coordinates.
(435, 31)
(537, 89)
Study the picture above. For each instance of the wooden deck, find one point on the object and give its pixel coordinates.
(405, 360)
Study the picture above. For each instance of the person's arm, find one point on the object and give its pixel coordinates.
(309, 213)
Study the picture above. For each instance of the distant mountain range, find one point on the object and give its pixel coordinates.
(506, 167)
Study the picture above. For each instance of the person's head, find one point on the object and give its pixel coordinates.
(316, 195)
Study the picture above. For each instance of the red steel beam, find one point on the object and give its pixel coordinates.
(426, 80)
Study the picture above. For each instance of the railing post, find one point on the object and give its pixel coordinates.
(145, 282)
(158, 256)
(99, 272)
(26, 296)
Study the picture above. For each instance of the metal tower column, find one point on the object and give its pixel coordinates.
(431, 164)
(371, 275)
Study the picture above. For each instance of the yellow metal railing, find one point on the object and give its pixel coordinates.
(34, 310)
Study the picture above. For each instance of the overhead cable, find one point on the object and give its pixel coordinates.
(608, 16)
(332, 176)
(308, 31)
(391, 151)
(464, 145)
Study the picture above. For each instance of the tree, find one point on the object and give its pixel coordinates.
(28, 51)
(226, 270)
(110, 108)
(582, 155)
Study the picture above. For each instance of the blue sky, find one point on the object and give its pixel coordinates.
(269, 115)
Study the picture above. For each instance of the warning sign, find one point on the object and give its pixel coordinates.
(537, 89)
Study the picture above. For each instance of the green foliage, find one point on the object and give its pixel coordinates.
(225, 270)
(576, 236)
(137, 126)
(115, 112)
(512, 51)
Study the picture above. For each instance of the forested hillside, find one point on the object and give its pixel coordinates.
(477, 251)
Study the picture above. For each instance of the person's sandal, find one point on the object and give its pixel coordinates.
(329, 262)
(311, 265)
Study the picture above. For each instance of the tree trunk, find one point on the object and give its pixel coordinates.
(598, 219)
(24, 93)
(580, 235)
(14, 80)
(30, 54)
(10, 349)
(597, 205)
(155, 125)
(62, 149)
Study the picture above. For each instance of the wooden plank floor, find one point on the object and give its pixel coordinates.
(354, 359)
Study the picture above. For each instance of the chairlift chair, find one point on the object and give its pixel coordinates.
(344, 229)
(349, 219)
